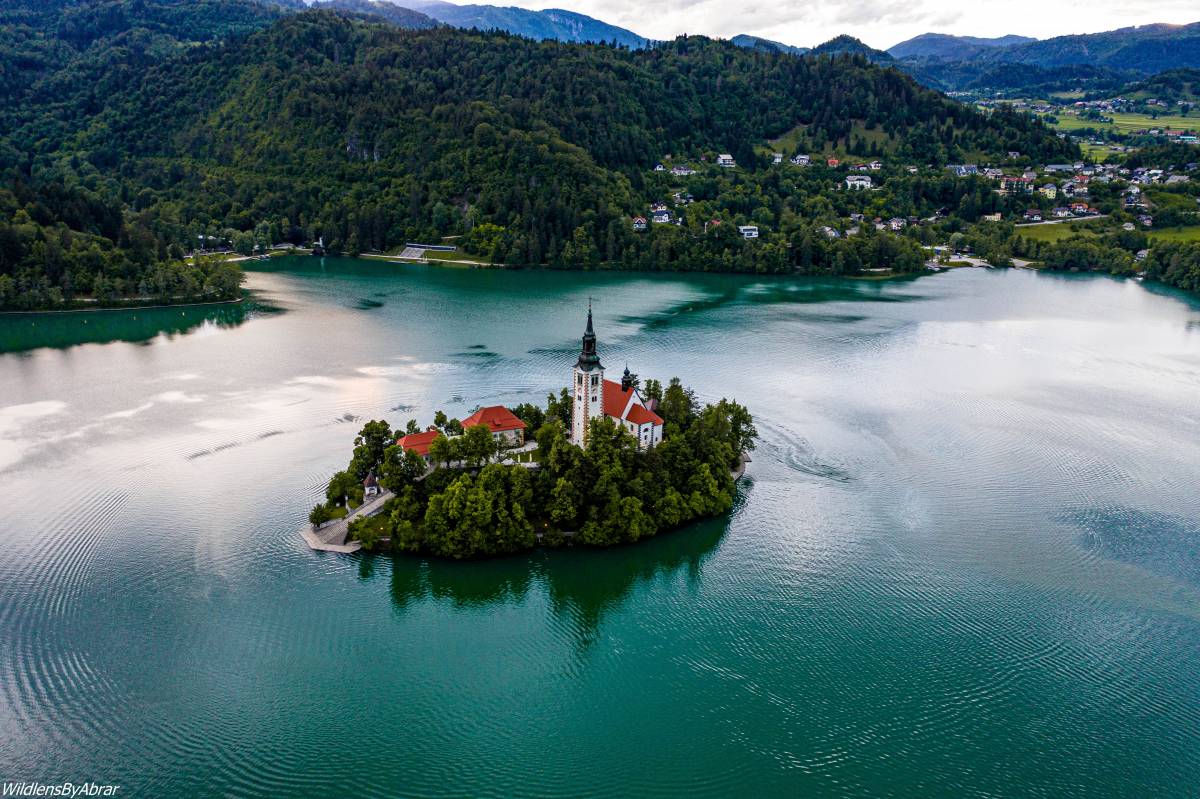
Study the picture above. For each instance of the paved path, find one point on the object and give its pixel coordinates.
(333, 537)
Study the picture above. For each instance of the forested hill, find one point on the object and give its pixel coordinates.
(369, 135)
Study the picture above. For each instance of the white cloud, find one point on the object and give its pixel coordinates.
(879, 23)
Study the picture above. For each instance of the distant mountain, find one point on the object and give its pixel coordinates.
(951, 48)
(1146, 48)
(766, 45)
(848, 44)
(380, 9)
(552, 23)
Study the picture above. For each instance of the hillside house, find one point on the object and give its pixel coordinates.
(858, 181)
(801, 160)
(748, 231)
(726, 160)
(1033, 215)
(1049, 191)
(639, 223)
(776, 158)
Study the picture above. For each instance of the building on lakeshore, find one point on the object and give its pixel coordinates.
(595, 397)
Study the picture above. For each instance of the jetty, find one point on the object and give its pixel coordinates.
(331, 536)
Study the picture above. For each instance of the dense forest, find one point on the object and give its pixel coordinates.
(468, 504)
(210, 120)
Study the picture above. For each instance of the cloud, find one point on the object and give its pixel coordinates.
(13, 444)
(879, 23)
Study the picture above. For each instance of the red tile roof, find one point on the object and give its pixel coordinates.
(419, 442)
(496, 417)
(616, 399)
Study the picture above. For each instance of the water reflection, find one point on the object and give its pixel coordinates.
(60, 330)
(583, 586)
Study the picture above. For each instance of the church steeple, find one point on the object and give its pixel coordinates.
(626, 379)
(588, 359)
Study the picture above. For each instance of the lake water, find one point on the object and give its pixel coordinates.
(965, 560)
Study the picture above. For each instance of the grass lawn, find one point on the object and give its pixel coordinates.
(1056, 232)
(1190, 233)
(788, 142)
(379, 524)
(1127, 123)
(525, 457)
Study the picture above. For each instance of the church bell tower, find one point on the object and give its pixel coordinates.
(587, 386)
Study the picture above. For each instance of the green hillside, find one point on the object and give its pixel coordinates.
(537, 152)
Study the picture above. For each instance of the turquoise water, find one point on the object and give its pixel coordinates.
(965, 561)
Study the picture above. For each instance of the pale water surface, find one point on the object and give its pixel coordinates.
(966, 561)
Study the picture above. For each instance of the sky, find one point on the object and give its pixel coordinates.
(879, 23)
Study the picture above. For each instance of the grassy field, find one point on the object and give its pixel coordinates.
(1127, 123)
(1057, 232)
(1190, 233)
(790, 141)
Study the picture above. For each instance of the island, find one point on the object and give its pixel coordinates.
(608, 462)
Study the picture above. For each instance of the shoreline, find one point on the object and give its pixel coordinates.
(337, 538)
(125, 307)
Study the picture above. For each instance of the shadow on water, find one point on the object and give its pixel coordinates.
(62, 329)
(771, 290)
(1158, 542)
(583, 585)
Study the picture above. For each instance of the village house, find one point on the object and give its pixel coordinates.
(832, 162)
(858, 181)
(726, 160)
(875, 166)
(1049, 191)
(897, 223)
(595, 397)
(1033, 215)
(1061, 211)
(1015, 185)
(1146, 220)
(1079, 208)
(682, 171)
(659, 168)
(801, 160)
(748, 231)
(662, 217)
(996, 217)
(776, 158)
(639, 223)
(507, 431)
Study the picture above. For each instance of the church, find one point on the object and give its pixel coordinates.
(595, 397)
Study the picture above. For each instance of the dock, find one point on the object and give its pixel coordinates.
(331, 536)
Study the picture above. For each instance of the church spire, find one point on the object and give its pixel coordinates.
(588, 359)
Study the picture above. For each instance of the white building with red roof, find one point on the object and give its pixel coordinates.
(507, 429)
(595, 397)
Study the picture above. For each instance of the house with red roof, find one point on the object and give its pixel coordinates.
(594, 397)
(419, 442)
(507, 429)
